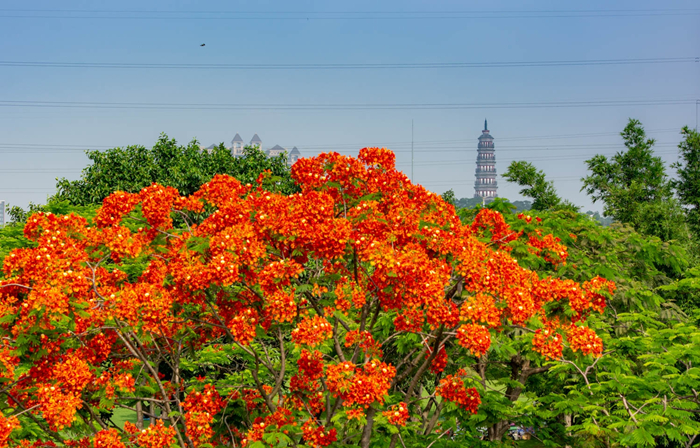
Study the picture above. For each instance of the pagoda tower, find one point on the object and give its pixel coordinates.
(485, 186)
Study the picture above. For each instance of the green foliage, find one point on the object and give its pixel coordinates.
(11, 237)
(688, 170)
(522, 206)
(542, 192)
(651, 347)
(184, 167)
(602, 220)
(449, 197)
(469, 202)
(634, 187)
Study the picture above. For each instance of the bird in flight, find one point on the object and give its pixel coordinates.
(202, 45)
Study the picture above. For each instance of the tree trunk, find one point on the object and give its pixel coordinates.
(367, 431)
(519, 371)
(568, 420)
(139, 415)
(498, 431)
(153, 413)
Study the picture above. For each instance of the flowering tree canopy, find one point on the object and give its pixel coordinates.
(242, 317)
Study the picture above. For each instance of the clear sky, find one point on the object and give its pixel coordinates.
(38, 144)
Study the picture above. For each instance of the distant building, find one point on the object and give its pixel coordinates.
(275, 151)
(2, 214)
(294, 155)
(237, 146)
(255, 141)
(485, 186)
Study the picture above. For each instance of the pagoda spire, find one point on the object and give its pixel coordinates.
(486, 125)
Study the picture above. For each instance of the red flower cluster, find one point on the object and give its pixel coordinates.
(7, 425)
(108, 438)
(359, 245)
(585, 340)
(157, 436)
(360, 386)
(312, 331)
(452, 388)
(475, 338)
(201, 408)
(318, 436)
(548, 342)
(366, 342)
(397, 414)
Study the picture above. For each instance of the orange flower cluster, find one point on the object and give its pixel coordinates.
(311, 364)
(360, 386)
(318, 436)
(366, 342)
(274, 422)
(482, 309)
(57, 406)
(8, 361)
(397, 414)
(108, 438)
(7, 425)
(157, 436)
(585, 340)
(491, 223)
(201, 408)
(439, 362)
(452, 388)
(549, 247)
(548, 342)
(475, 338)
(359, 244)
(115, 207)
(312, 331)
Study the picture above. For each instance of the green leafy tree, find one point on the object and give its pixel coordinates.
(637, 393)
(634, 187)
(542, 191)
(184, 167)
(469, 202)
(449, 197)
(576, 403)
(688, 170)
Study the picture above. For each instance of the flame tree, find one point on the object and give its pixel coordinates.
(356, 309)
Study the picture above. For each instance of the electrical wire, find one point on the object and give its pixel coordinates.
(335, 15)
(349, 66)
(338, 106)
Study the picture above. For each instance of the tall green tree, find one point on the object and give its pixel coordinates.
(544, 195)
(634, 187)
(184, 167)
(688, 170)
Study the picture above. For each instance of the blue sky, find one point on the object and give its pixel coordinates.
(37, 144)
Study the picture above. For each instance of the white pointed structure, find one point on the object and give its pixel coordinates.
(485, 186)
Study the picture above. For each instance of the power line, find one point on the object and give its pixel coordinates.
(331, 15)
(19, 147)
(16, 149)
(349, 66)
(490, 11)
(340, 106)
(356, 146)
(473, 140)
(45, 148)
